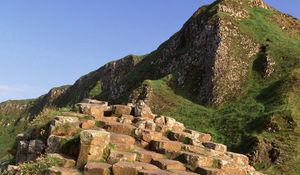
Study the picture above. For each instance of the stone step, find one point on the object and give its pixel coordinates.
(120, 128)
(117, 156)
(209, 171)
(164, 146)
(147, 135)
(121, 139)
(97, 168)
(147, 156)
(63, 161)
(183, 172)
(63, 171)
(156, 172)
(167, 164)
(131, 168)
(215, 146)
(121, 109)
(196, 160)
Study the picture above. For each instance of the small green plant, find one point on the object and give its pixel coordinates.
(38, 167)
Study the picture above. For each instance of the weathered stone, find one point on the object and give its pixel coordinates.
(93, 101)
(215, 146)
(55, 143)
(124, 147)
(131, 168)
(108, 120)
(21, 155)
(161, 120)
(92, 145)
(62, 171)
(121, 109)
(93, 108)
(147, 135)
(194, 149)
(28, 151)
(156, 172)
(163, 146)
(126, 119)
(170, 122)
(88, 124)
(178, 127)
(238, 158)
(179, 136)
(94, 168)
(196, 160)
(147, 156)
(209, 171)
(230, 167)
(64, 126)
(117, 156)
(121, 139)
(120, 128)
(167, 164)
(146, 124)
(202, 137)
(143, 110)
(183, 172)
(63, 161)
(94, 137)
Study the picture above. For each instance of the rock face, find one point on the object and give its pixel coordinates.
(201, 47)
(111, 147)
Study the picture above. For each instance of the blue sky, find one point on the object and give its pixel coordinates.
(49, 43)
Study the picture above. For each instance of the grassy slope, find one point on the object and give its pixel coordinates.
(264, 100)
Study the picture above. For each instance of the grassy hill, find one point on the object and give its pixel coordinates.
(233, 70)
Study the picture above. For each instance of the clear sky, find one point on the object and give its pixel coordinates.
(49, 43)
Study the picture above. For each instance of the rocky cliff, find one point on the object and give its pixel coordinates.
(232, 71)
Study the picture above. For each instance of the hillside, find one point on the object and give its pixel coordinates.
(232, 70)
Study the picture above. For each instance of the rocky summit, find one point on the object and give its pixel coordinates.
(123, 140)
(232, 71)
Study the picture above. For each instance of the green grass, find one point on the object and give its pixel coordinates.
(272, 100)
(96, 90)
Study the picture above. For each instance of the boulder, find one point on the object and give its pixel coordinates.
(64, 126)
(156, 172)
(147, 135)
(29, 150)
(163, 146)
(96, 168)
(178, 172)
(147, 156)
(120, 128)
(121, 139)
(55, 143)
(209, 171)
(88, 124)
(126, 119)
(21, 155)
(238, 158)
(131, 168)
(121, 109)
(62, 171)
(161, 120)
(215, 146)
(196, 160)
(117, 156)
(92, 145)
(143, 110)
(167, 164)
(63, 161)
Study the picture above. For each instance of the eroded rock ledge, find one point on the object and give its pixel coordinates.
(126, 140)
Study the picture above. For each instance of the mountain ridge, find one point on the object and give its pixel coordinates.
(223, 60)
